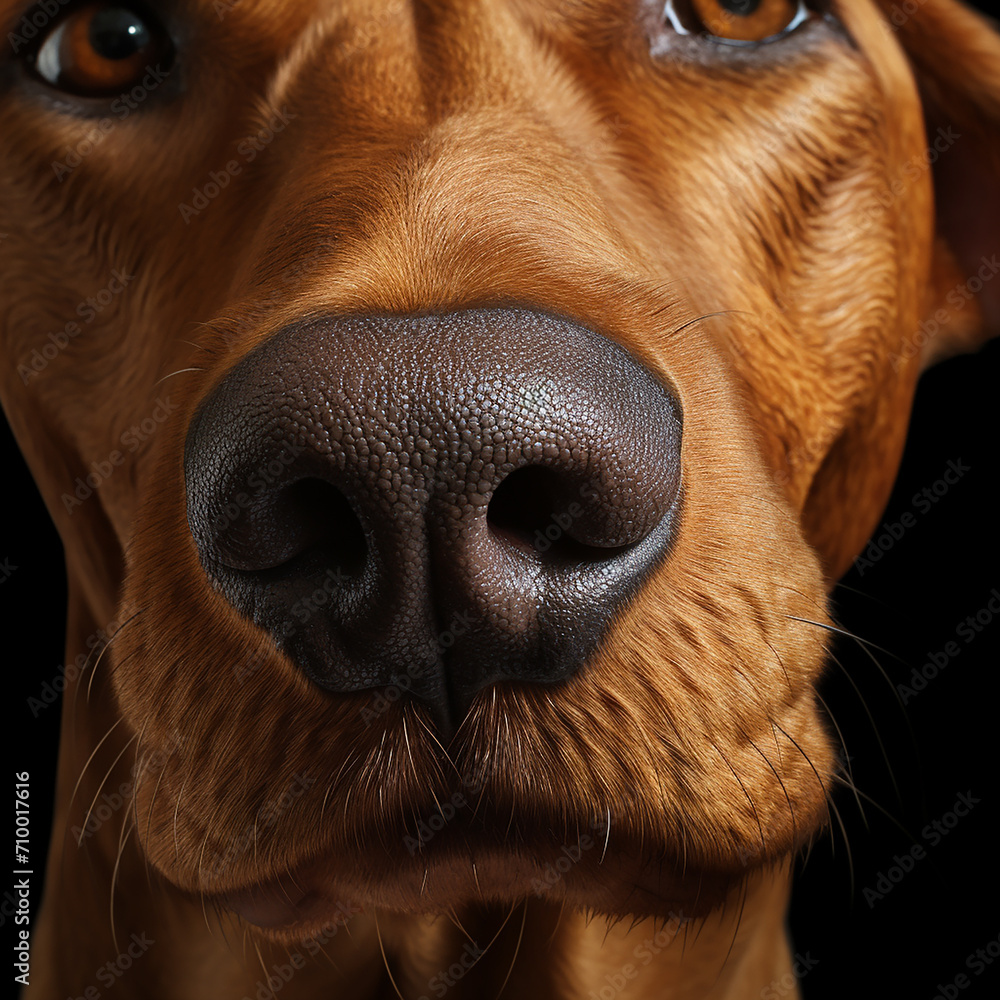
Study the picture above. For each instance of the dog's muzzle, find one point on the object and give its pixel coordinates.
(434, 502)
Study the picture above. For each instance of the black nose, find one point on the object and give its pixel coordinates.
(434, 502)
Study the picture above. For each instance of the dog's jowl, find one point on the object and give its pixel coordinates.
(461, 412)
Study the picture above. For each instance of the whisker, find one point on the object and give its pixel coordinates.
(878, 735)
(911, 834)
(499, 931)
(517, 948)
(791, 811)
(180, 371)
(263, 965)
(744, 889)
(100, 786)
(843, 744)
(90, 759)
(850, 635)
(385, 959)
(607, 836)
(763, 842)
(703, 317)
(177, 809)
(453, 917)
(98, 654)
(127, 829)
(840, 585)
(152, 799)
(829, 803)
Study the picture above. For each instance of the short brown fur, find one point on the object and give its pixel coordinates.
(734, 222)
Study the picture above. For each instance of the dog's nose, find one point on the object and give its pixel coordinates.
(434, 503)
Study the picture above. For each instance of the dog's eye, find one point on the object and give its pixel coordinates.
(737, 22)
(101, 49)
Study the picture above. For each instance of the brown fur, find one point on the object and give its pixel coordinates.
(732, 221)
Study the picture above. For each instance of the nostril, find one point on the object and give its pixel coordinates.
(521, 506)
(309, 517)
(535, 510)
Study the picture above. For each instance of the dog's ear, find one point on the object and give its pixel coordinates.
(955, 55)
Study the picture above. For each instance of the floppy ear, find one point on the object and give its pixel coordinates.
(955, 56)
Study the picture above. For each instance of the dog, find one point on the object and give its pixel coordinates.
(456, 416)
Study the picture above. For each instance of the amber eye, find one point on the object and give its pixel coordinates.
(102, 49)
(737, 21)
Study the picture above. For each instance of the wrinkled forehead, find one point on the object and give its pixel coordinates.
(494, 51)
(609, 88)
(610, 84)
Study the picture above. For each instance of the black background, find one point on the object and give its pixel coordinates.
(944, 743)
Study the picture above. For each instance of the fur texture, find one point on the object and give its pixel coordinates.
(756, 225)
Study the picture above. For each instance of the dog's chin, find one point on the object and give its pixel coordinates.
(502, 857)
(465, 867)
